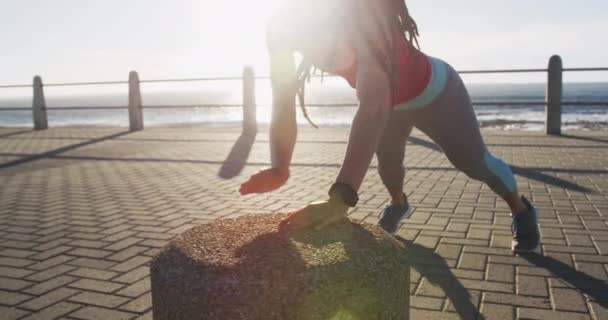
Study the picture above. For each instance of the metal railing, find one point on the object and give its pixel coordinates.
(553, 100)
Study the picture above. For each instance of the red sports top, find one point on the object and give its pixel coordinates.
(413, 67)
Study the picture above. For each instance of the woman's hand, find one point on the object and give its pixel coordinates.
(265, 181)
(317, 215)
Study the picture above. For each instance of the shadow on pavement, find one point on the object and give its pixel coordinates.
(525, 172)
(237, 158)
(10, 134)
(545, 178)
(58, 151)
(434, 268)
(594, 139)
(595, 288)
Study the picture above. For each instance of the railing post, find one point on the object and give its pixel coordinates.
(136, 118)
(249, 106)
(39, 106)
(553, 109)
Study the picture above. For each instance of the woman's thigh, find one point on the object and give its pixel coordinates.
(450, 121)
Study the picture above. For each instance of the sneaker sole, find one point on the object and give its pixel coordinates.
(406, 215)
(524, 250)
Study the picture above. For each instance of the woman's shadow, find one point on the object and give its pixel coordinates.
(275, 249)
(237, 158)
(595, 288)
(434, 268)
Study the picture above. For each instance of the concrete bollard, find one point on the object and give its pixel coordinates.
(553, 109)
(39, 106)
(136, 117)
(250, 124)
(250, 268)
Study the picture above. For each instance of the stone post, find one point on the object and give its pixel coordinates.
(39, 106)
(553, 108)
(249, 105)
(251, 268)
(136, 117)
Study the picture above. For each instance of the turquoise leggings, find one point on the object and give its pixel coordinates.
(450, 121)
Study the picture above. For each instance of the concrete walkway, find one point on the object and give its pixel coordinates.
(82, 211)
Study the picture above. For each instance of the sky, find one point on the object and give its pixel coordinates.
(86, 40)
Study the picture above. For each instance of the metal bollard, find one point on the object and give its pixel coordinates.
(136, 118)
(39, 106)
(553, 109)
(250, 124)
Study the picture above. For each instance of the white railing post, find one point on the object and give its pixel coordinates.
(39, 106)
(249, 106)
(136, 118)
(553, 109)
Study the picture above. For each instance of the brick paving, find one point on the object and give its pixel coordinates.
(83, 210)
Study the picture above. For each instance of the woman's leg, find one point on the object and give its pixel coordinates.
(450, 121)
(390, 154)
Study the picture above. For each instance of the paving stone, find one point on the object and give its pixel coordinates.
(96, 313)
(92, 263)
(13, 284)
(90, 253)
(46, 254)
(532, 286)
(53, 312)
(136, 289)
(10, 272)
(497, 311)
(127, 253)
(133, 275)
(98, 299)
(8, 298)
(530, 313)
(472, 261)
(430, 303)
(500, 273)
(516, 300)
(598, 311)
(48, 263)
(139, 305)
(12, 313)
(15, 262)
(48, 299)
(146, 316)
(97, 274)
(568, 300)
(50, 284)
(131, 264)
(123, 244)
(96, 285)
(50, 273)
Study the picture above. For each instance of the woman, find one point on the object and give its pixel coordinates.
(373, 45)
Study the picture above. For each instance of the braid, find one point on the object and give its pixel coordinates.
(408, 26)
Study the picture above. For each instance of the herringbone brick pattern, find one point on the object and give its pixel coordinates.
(82, 211)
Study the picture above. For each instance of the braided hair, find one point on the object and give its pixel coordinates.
(399, 18)
(407, 25)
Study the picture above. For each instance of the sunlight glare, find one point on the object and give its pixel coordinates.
(238, 28)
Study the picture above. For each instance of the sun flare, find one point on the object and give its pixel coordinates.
(235, 31)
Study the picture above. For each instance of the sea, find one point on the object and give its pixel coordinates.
(218, 104)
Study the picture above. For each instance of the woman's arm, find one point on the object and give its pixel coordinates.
(283, 126)
(374, 93)
(375, 99)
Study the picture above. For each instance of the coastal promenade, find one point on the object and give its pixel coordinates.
(83, 210)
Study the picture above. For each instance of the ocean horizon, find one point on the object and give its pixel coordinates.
(217, 104)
